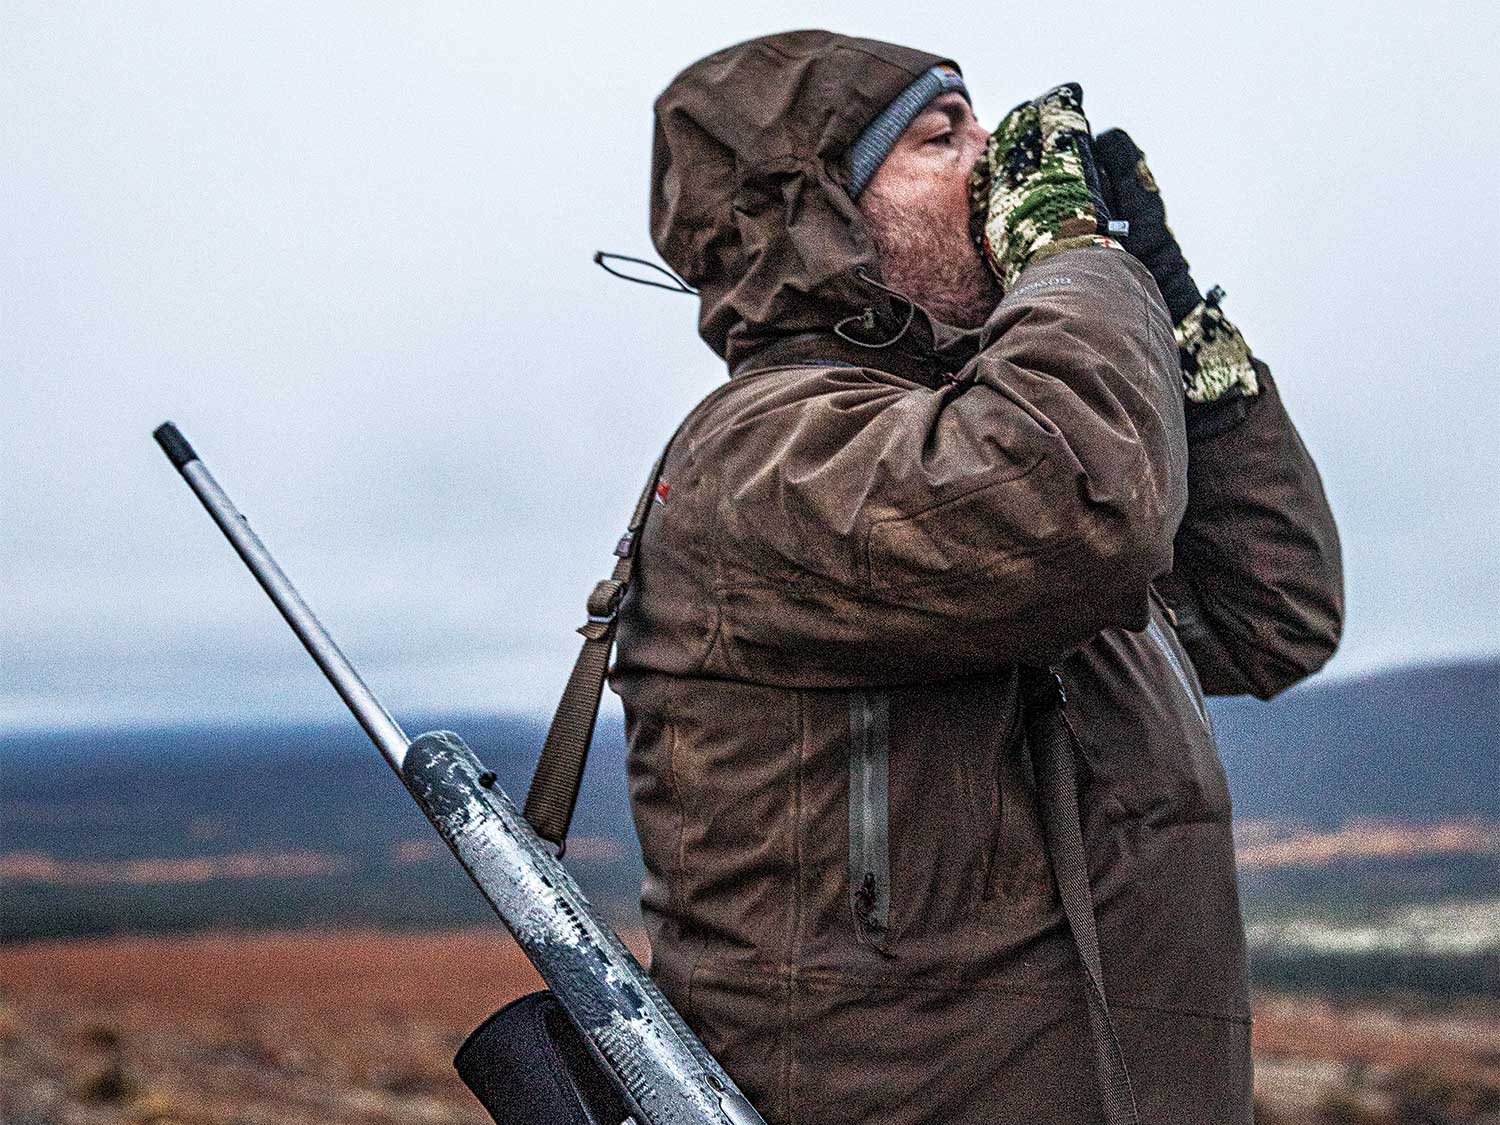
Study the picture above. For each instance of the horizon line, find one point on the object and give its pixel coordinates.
(335, 716)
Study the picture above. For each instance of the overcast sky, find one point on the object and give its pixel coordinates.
(346, 247)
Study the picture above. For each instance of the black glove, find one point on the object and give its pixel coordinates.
(1132, 195)
(1215, 358)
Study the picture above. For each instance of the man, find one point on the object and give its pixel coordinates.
(910, 501)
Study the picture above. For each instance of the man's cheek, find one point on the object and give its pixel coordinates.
(956, 205)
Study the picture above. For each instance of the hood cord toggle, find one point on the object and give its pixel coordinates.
(866, 318)
(677, 286)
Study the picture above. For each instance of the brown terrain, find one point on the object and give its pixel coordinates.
(360, 1026)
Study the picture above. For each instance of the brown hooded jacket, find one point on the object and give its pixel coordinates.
(847, 890)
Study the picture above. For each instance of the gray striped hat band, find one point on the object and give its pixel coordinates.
(869, 151)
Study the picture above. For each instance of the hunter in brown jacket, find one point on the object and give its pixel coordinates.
(941, 471)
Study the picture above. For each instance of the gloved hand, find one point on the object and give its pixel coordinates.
(1215, 358)
(1035, 190)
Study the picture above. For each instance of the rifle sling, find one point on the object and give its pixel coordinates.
(1052, 749)
(559, 770)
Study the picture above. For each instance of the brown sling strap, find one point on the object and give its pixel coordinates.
(559, 770)
(1057, 784)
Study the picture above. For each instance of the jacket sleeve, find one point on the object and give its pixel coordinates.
(1257, 586)
(1010, 516)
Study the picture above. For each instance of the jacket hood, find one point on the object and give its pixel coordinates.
(749, 190)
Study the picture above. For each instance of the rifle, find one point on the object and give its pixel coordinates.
(647, 1052)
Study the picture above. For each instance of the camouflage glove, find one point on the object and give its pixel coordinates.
(1215, 358)
(1035, 190)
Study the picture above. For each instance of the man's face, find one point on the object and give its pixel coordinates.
(917, 208)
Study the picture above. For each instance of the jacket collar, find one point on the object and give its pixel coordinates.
(928, 351)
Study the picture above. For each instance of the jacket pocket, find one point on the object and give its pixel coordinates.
(1180, 668)
(869, 815)
(990, 762)
(1206, 770)
(959, 537)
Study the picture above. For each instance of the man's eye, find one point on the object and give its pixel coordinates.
(941, 139)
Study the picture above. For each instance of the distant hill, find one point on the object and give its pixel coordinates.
(304, 825)
(1410, 744)
(273, 827)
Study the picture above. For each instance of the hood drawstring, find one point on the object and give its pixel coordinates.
(866, 318)
(677, 286)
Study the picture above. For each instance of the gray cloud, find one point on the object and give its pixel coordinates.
(346, 248)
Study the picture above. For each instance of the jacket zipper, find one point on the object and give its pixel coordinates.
(869, 814)
(1154, 631)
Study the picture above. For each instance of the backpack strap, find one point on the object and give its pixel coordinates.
(559, 770)
(1052, 750)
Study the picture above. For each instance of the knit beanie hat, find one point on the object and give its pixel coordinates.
(873, 145)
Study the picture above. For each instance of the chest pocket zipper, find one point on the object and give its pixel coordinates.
(1154, 631)
(869, 815)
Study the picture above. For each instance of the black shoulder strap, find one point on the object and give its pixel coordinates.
(559, 770)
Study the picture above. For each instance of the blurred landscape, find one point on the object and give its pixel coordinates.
(256, 924)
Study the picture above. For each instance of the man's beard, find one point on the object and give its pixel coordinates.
(925, 256)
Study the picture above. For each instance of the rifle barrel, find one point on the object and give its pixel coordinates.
(383, 730)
